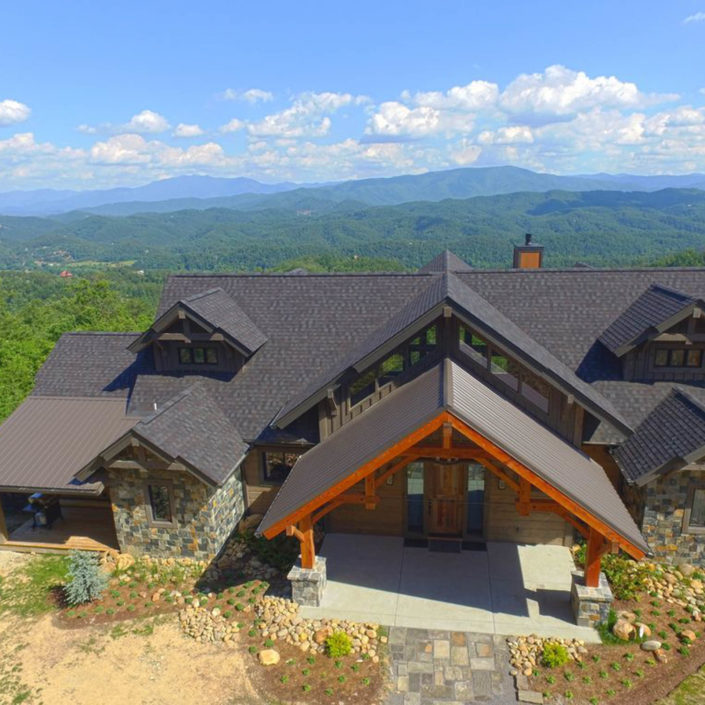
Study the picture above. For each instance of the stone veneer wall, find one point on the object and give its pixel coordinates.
(204, 517)
(664, 504)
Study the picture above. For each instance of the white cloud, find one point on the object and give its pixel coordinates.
(512, 134)
(476, 95)
(306, 117)
(185, 130)
(233, 126)
(147, 122)
(697, 17)
(395, 119)
(560, 91)
(12, 112)
(253, 95)
(87, 129)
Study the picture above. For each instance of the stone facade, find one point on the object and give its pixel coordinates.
(203, 517)
(664, 502)
(591, 605)
(308, 584)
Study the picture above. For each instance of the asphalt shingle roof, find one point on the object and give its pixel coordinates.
(671, 436)
(655, 306)
(192, 428)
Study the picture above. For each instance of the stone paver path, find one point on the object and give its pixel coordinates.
(432, 667)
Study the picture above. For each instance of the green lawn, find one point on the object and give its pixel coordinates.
(690, 692)
(27, 590)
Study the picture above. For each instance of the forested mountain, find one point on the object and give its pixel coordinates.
(203, 192)
(600, 227)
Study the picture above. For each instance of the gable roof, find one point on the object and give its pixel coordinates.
(447, 288)
(449, 387)
(218, 311)
(656, 310)
(446, 261)
(47, 440)
(669, 438)
(191, 428)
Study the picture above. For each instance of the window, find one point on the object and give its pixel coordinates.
(473, 346)
(160, 501)
(678, 357)
(536, 391)
(276, 465)
(363, 386)
(198, 356)
(414, 497)
(505, 369)
(694, 516)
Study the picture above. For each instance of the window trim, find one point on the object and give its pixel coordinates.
(669, 356)
(160, 523)
(192, 349)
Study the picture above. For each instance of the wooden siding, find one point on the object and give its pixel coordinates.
(258, 494)
(503, 523)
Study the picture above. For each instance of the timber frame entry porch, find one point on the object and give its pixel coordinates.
(445, 414)
(519, 478)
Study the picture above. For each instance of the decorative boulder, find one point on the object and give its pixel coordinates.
(623, 630)
(651, 645)
(643, 630)
(688, 634)
(686, 569)
(268, 657)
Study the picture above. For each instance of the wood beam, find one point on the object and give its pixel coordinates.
(4, 534)
(548, 505)
(546, 487)
(524, 501)
(308, 548)
(392, 469)
(508, 481)
(460, 453)
(370, 499)
(394, 451)
(596, 547)
(447, 436)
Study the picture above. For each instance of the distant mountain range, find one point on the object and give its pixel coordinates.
(203, 192)
(598, 227)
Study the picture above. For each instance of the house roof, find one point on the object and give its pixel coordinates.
(192, 428)
(450, 387)
(219, 311)
(448, 288)
(446, 261)
(670, 437)
(47, 440)
(652, 312)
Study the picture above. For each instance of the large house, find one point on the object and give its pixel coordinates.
(451, 404)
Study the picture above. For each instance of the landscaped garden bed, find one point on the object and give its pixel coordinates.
(653, 639)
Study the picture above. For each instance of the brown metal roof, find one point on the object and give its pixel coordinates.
(47, 440)
(449, 387)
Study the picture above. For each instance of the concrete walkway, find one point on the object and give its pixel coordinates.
(507, 590)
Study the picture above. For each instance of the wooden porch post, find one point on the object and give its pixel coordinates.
(308, 549)
(4, 535)
(595, 548)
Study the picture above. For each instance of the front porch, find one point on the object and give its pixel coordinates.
(86, 526)
(507, 589)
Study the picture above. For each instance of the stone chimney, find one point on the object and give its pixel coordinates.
(528, 256)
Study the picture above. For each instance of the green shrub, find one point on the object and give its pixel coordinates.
(338, 644)
(87, 581)
(554, 655)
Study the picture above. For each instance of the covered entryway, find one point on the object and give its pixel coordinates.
(507, 589)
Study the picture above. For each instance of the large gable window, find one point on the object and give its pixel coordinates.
(393, 365)
(694, 516)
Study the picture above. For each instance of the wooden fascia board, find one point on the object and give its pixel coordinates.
(547, 488)
(360, 473)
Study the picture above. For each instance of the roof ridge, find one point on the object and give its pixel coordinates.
(208, 292)
(671, 291)
(168, 404)
(75, 397)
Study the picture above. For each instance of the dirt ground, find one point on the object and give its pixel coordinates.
(142, 662)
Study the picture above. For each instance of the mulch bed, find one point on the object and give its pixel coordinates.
(624, 673)
(316, 679)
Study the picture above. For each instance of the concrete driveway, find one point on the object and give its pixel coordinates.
(507, 589)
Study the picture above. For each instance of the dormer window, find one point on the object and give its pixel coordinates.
(198, 356)
(678, 357)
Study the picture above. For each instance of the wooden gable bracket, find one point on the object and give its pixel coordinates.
(447, 436)
(524, 502)
(370, 498)
(548, 505)
(394, 468)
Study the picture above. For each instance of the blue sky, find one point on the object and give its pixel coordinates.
(95, 94)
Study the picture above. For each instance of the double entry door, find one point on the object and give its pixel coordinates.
(444, 499)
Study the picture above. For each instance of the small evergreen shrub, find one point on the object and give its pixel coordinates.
(554, 655)
(87, 581)
(338, 644)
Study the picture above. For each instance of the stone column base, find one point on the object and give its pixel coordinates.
(591, 605)
(308, 584)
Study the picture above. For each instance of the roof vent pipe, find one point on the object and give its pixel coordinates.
(527, 239)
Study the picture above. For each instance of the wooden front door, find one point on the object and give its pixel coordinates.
(446, 488)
